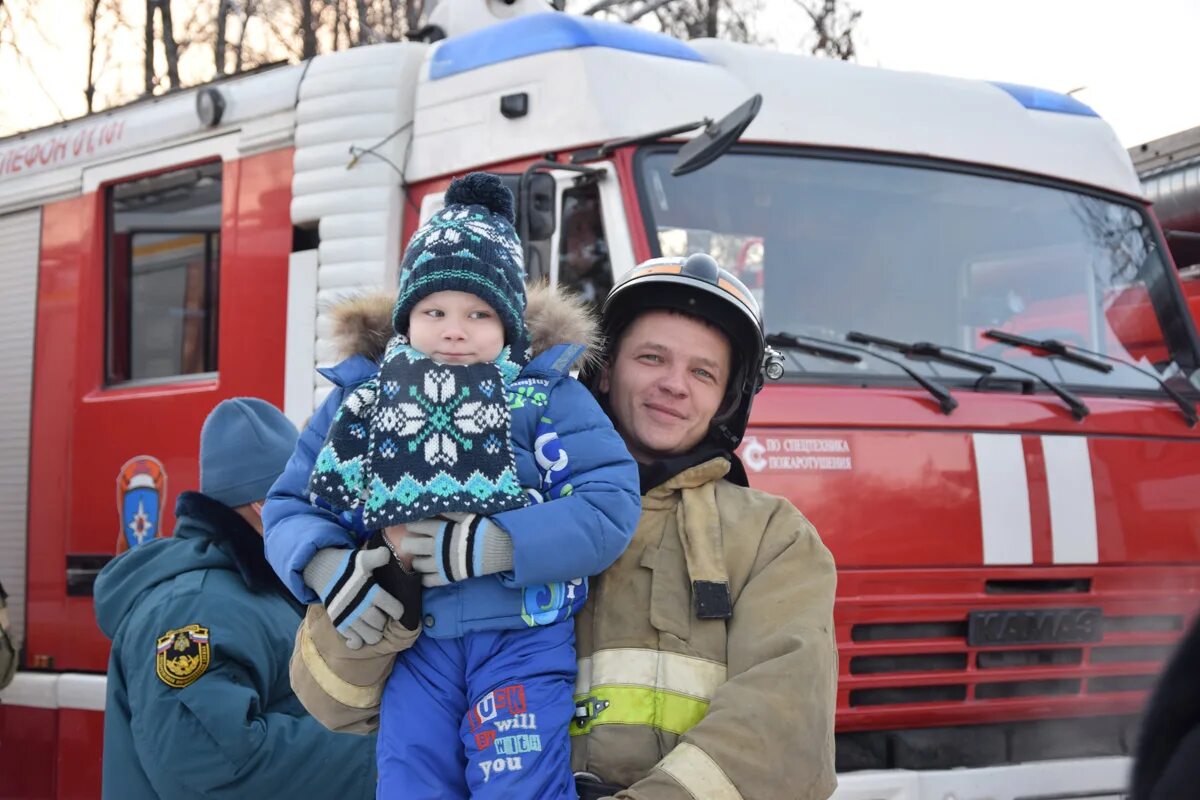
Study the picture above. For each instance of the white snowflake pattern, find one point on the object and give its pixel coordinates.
(439, 385)
(478, 416)
(441, 420)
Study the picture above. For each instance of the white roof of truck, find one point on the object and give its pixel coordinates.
(590, 81)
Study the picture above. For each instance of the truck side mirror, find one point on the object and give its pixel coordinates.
(535, 195)
(536, 206)
(716, 138)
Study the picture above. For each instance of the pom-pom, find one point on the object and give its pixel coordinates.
(482, 189)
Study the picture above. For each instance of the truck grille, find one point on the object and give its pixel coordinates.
(907, 660)
(1139, 656)
(1145, 659)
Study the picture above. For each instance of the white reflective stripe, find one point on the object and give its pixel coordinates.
(55, 690)
(85, 692)
(672, 672)
(1072, 499)
(1003, 498)
(332, 684)
(696, 772)
(31, 690)
(583, 677)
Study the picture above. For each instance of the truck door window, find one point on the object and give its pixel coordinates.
(163, 242)
(583, 264)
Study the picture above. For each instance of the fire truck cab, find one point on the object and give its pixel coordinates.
(1014, 520)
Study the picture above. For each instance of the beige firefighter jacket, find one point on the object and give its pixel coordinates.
(340, 687)
(684, 708)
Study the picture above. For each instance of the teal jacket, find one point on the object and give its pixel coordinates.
(199, 700)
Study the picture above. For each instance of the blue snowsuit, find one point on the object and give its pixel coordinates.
(228, 724)
(493, 669)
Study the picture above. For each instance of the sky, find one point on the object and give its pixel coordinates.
(1136, 59)
(1133, 62)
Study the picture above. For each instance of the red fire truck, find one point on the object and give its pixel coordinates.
(989, 401)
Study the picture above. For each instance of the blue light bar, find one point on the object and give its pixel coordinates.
(545, 33)
(1045, 100)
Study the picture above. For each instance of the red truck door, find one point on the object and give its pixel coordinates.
(162, 290)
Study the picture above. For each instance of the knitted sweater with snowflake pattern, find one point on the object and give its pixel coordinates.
(424, 438)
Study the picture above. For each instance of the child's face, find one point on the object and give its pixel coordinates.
(455, 328)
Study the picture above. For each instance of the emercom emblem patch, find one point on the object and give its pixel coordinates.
(182, 655)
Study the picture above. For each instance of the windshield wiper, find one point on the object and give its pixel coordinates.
(968, 360)
(793, 342)
(1092, 359)
(1053, 347)
(836, 351)
(921, 351)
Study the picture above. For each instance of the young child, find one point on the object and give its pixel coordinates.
(519, 486)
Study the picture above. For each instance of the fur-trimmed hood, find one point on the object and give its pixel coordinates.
(362, 324)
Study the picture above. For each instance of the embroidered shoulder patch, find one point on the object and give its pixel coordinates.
(182, 655)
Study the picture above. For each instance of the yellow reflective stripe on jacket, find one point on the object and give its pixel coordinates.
(634, 666)
(342, 691)
(638, 705)
(642, 686)
(695, 771)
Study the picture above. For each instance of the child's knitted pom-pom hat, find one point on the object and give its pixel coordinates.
(482, 189)
(469, 246)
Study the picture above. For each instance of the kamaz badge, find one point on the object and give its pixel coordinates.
(141, 491)
(182, 655)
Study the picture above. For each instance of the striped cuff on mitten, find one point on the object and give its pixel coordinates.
(473, 547)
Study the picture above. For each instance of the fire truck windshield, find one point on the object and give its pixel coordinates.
(919, 251)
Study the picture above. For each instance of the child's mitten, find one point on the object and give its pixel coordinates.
(345, 580)
(454, 547)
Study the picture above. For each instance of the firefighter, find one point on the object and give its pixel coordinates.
(707, 663)
(199, 703)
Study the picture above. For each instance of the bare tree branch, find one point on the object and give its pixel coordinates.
(168, 37)
(149, 45)
(650, 7)
(267, 16)
(602, 5)
(89, 90)
(363, 27)
(308, 30)
(9, 23)
(412, 14)
(220, 46)
(834, 29)
(240, 50)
